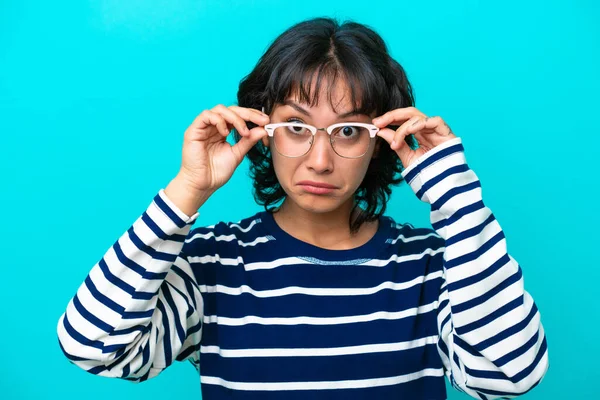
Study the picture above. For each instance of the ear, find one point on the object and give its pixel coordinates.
(265, 141)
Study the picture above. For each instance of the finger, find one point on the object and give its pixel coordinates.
(232, 118)
(207, 118)
(243, 146)
(254, 110)
(397, 115)
(439, 125)
(416, 124)
(388, 134)
(404, 130)
(251, 114)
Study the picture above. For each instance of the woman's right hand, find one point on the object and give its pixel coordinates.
(208, 160)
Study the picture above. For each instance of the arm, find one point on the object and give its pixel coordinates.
(139, 309)
(492, 342)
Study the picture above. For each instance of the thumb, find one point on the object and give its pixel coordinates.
(402, 147)
(243, 146)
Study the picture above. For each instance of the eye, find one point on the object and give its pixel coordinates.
(297, 130)
(347, 132)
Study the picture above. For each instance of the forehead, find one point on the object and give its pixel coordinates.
(328, 95)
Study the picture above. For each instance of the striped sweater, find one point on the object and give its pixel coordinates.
(263, 315)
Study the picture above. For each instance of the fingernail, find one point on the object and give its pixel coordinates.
(393, 143)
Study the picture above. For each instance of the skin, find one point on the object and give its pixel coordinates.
(321, 220)
(208, 161)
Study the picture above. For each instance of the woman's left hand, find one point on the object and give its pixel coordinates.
(429, 132)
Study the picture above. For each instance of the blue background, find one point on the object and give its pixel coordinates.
(95, 97)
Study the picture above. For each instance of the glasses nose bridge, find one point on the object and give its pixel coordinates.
(327, 138)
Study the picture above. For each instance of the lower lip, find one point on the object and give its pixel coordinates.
(317, 189)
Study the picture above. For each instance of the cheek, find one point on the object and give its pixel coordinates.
(284, 169)
(359, 170)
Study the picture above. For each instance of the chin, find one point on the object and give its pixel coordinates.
(318, 204)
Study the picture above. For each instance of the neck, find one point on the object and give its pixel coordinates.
(329, 230)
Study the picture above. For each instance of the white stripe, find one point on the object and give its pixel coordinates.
(245, 229)
(285, 261)
(235, 291)
(216, 258)
(321, 385)
(227, 238)
(320, 352)
(401, 259)
(252, 319)
(414, 238)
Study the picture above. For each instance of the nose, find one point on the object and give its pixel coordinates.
(321, 155)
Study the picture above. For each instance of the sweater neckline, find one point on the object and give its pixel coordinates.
(365, 251)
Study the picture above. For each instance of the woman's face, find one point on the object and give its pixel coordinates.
(321, 165)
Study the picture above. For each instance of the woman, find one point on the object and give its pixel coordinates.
(321, 295)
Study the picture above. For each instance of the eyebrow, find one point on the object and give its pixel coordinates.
(302, 110)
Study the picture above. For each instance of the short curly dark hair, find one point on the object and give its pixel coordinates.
(324, 49)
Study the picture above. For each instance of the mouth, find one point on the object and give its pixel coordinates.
(317, 187)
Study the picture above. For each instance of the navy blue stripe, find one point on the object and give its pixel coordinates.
(137, 314)
(126, 331)
(442, 346)
(123, 285)
(190, 286)
(132, 265)
(79, 337)
(489, 271)
(96, 370)
(455, 191)
(478, 205)
(195, 328)
(303, 335)
(432, 159)
(475, 253)
(102, 298)
(171, 304)
(508, 357)
(166, 328)
(315, 275)
(471, 231)
(158, 255)
(146, 350)
(293, 305)
(459, 342)
(462, 330)
(153, 226)
(507, 332)
(529, 369)
(514, 278)
(457, 169)
(69, 355)
(526, 372)
(322, 368)
(446, 320)
(185, 353)
(145, 376)
(167, 210)
(91, 318)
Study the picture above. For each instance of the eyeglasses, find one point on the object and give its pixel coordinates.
(348, 139)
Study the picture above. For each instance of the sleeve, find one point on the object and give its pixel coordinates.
(139, 308)
(491, 342)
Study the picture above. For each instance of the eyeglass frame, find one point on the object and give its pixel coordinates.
(270, 128)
